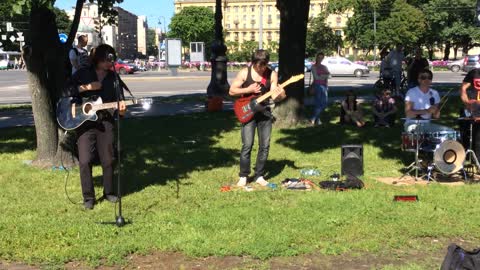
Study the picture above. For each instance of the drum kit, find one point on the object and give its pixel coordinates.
(440, 147)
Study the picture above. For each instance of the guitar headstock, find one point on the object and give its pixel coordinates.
(293, 79)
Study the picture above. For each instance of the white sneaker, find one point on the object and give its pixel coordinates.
(261, 181)
(242, 182)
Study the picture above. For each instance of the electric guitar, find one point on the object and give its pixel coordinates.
(73, 112)
(246, 107)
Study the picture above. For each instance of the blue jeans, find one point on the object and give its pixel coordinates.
(263, 124)
(321, 98)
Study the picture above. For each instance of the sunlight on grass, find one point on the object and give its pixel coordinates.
(173, 169)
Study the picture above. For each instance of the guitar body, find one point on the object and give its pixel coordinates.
(71, 113)
(245, 108)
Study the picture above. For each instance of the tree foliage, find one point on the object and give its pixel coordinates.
(193, 24)
(320, 37)
(152, 49)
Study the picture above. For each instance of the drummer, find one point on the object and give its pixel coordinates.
(422, 103)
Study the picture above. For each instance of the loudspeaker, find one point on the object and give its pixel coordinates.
(352, 159)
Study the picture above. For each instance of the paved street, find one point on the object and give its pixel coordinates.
(14, 85)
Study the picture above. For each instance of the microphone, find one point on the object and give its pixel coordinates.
(110, 57)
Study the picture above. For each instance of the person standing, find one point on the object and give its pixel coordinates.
(97, 80)
(415, 65)
(320, 75)
(470, 96)
(255, 80)
(395, 60)
(79, 55)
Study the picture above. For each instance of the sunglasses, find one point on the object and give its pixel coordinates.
(425, 77)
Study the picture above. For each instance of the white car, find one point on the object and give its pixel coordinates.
(343, 66)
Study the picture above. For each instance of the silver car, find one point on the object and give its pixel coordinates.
(471, 62)
(343, 66)
(455, 66)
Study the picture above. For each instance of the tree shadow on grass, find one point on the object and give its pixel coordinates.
(332, 136)
(159, 150)
(17, 139)
(275, 167)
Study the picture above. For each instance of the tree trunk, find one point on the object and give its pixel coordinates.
(46, 76)
(293, 32)
(446, 52)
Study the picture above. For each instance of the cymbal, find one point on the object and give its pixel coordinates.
(415, 119)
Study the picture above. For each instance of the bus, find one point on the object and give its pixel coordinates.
(7, 59)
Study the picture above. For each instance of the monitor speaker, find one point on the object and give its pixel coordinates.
(352, 159)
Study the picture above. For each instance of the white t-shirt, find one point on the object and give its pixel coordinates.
(80, 57)
(421, 100)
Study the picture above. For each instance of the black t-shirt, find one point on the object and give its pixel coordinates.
(107, 92)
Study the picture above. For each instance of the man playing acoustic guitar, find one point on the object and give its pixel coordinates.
(254, 81)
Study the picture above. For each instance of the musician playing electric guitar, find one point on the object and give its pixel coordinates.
(97, 80)
(256, 80)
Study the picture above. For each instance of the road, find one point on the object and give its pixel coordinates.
(14, 85)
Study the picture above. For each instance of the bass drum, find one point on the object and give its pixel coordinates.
(449, 157)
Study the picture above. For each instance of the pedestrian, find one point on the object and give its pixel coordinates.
(395, 61)
(79, 54)
(414, 66)
(97, 80)
(255, 80)
(320, 76)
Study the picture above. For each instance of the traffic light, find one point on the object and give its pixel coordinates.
(477, 14)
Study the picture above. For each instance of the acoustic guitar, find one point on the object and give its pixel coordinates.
(73, 112)
(246, 107)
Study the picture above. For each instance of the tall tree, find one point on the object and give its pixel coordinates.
(320, 37)
(193, 24)
(293, 32)
(152, 49)
(45, 59)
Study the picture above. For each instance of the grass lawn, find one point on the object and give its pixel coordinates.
(174, 167)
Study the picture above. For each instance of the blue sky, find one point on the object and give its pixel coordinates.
(153, 9)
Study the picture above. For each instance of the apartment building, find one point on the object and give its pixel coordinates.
(128, 37)
(241, 18)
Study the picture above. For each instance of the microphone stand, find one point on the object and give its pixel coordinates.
(119, 220)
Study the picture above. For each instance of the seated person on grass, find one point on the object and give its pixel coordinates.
(384, 109)
(350, 111)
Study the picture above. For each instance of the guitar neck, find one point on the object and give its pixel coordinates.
(270, 93)
(111, 105)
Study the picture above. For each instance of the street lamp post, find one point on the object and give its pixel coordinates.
(218, 83)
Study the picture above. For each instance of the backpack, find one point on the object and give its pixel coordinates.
(459, 259)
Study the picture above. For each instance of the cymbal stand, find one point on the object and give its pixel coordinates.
(414, 166)
(470, 151)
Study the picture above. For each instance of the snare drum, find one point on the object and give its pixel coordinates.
(409, 141)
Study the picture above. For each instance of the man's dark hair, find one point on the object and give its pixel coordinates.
(261, 57)
(82, 38)
(101, 54)
(425, 71)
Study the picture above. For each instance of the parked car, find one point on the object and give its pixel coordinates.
(470, 62)
(343, 66)
(307, 65)
(455, 66)
(123, 68)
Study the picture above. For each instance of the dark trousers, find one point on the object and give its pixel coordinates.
(95, 136)
(263, 125)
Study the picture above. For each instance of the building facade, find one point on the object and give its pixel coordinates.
(241, 18)
(128, 37)
(89, 25)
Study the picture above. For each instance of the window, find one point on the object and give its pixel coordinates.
(252, 36)
(228, 26)
(244, 8)
(269, 8)
(252, 8)
(244, 17)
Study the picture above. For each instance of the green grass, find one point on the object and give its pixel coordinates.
(174, 167)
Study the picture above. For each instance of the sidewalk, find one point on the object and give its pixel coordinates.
(24, 117)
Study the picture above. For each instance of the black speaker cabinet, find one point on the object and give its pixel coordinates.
(352, 159)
